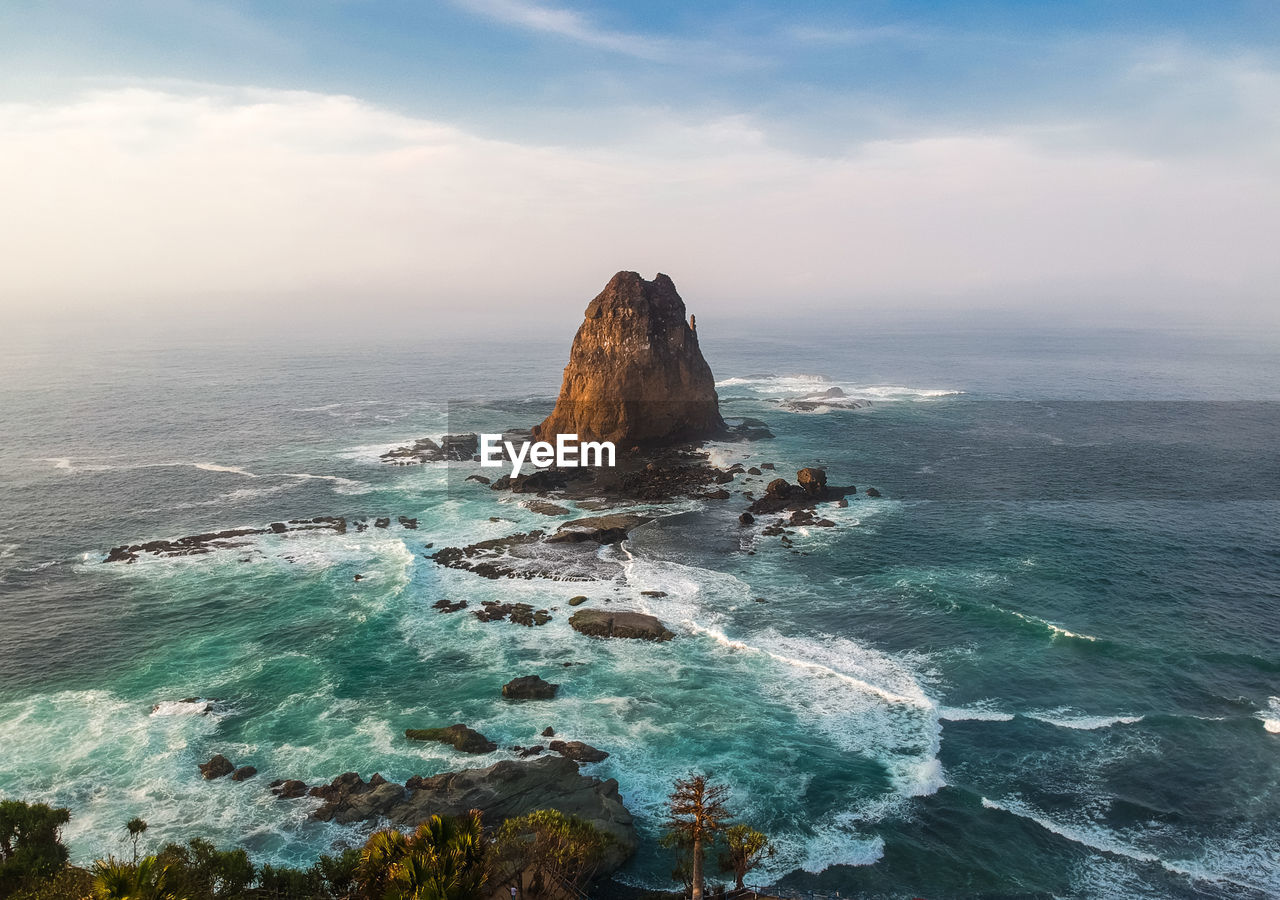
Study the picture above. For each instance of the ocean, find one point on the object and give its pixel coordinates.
(1044, 662)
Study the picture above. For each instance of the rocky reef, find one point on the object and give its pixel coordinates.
(636, 375)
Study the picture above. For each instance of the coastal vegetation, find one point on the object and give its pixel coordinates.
(542, 854)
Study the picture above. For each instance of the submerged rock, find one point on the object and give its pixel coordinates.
(624, 624)
(459, 736)
(636, 375)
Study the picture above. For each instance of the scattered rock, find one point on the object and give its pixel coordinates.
(529, 687)
(767, 466)
(609, 624)
(480, 479)
(753, 471)
(578, 600)
(519, 613)
(459, 736)
(720, 494)
(548, 732)
(872, 492)
(444, 605)
(243, 772)
(653, 593)
(746, 519)
(452, 448)
(358, 578)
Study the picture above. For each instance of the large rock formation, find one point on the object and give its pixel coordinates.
(635, 374)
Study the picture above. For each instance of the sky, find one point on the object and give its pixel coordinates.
(489, 161)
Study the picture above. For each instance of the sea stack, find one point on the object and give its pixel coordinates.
(635, 374)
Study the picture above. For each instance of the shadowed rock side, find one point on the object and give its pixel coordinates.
(635, 374)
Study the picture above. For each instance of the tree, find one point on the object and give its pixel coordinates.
(340, 873)
(200, 871)
(148, 879)
(135, 827)
(444, 859)
(745, 848)
(558, 851)
(696, 813)
(30, 842)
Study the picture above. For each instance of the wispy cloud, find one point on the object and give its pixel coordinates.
(838, 35)
(574, 26)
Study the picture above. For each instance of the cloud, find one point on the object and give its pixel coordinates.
(147, 197)
(574, 26)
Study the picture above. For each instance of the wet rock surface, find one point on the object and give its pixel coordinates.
(529, 687)
(460, 737)
(622, 624)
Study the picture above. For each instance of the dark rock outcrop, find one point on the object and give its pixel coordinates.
(500, 792)
(609, 529)
(608, 624)
(452, 447)
(578, 751)
(636, 375)
(459, 736)
(243, 773)
(289, 789)
(216, 767)
(529, 687)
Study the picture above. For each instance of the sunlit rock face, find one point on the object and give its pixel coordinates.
(636, 375)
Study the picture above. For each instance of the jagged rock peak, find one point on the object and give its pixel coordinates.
(635, 373)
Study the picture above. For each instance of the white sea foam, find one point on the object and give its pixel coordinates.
(1065, 718)
(836, 844)
(1056, 631)
(230, 470)
(862, 700)
(795, 387)
(1103, 840)
(1271, 718)
(973, 714)
(182, 708)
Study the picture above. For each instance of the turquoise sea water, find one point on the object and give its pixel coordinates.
(1046, 661)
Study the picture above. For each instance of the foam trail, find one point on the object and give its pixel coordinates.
(1056, 631)
(792, 387)
(973, 714)
(1081, 723)
(864, 686)
(1097, 838)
